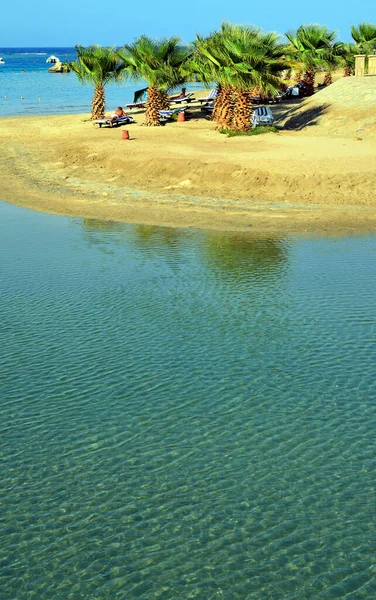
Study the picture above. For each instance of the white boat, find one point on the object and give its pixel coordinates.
(52, 59)
(1, 61)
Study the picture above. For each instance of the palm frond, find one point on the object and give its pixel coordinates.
(162, 63)
(98, 65)
(364, 33)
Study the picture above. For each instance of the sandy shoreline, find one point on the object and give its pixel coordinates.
(188, 175)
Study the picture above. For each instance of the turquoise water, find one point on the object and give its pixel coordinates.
(26, 87)
(185, 414)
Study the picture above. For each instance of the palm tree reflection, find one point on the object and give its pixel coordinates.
(233, 257)
(150, 238)
(154, 236)
(239, 257)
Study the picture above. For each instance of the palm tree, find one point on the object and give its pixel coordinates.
(347, 53)
(98, 66)
(210, 63)
(162, 64)
(364, 35)
(239, 59)
(333, 58)
(308, 47)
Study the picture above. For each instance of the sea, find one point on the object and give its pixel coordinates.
(27, 88)
(183, 413)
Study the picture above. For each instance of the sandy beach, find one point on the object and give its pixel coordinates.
(187, 174)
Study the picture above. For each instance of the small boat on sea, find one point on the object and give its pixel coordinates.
(2, 61)
(52, 59)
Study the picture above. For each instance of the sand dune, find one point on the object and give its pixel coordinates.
(346, 108)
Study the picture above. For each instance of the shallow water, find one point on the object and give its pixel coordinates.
(185, 414)
(26, 87)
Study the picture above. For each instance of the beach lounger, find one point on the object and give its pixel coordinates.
(262, 115)
(208, 107)
(168, 114)
(139, 99)
(211, 96)
(277, 98)
(187, 98)
(109, 123)
(136, 105)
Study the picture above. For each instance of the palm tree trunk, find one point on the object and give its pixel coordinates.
(163, 101)
(224, 107)
(298, 76)
(243, 111)
(98, 104)
(152, 107)
(309, 82)
(328, 79)
(255, 92)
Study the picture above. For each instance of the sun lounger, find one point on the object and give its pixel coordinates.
(262, 115)
(139, 99)
(277, 98)
(211, 96)
(136, 105)
(208, 107)
(187, 98)
(168, 114)
(110, 123)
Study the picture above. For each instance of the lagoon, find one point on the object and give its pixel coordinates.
(185, 414)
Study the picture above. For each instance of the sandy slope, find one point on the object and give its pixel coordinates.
(188, 174)
(346, 108)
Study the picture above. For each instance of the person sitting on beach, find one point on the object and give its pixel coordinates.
(117, 114)
(182, 94)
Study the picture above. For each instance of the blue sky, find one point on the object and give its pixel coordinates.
(38, 23)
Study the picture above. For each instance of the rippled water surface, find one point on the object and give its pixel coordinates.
(185, 414)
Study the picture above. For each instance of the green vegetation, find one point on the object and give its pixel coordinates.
(163, 64)
(347, 54)
(255, 131)
(364, 35)
(311, 47)
(242, 61)
(97, 66)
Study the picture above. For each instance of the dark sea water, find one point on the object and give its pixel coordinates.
(185, 414)
(26, 87)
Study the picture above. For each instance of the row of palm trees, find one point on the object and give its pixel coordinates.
(242, 61)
